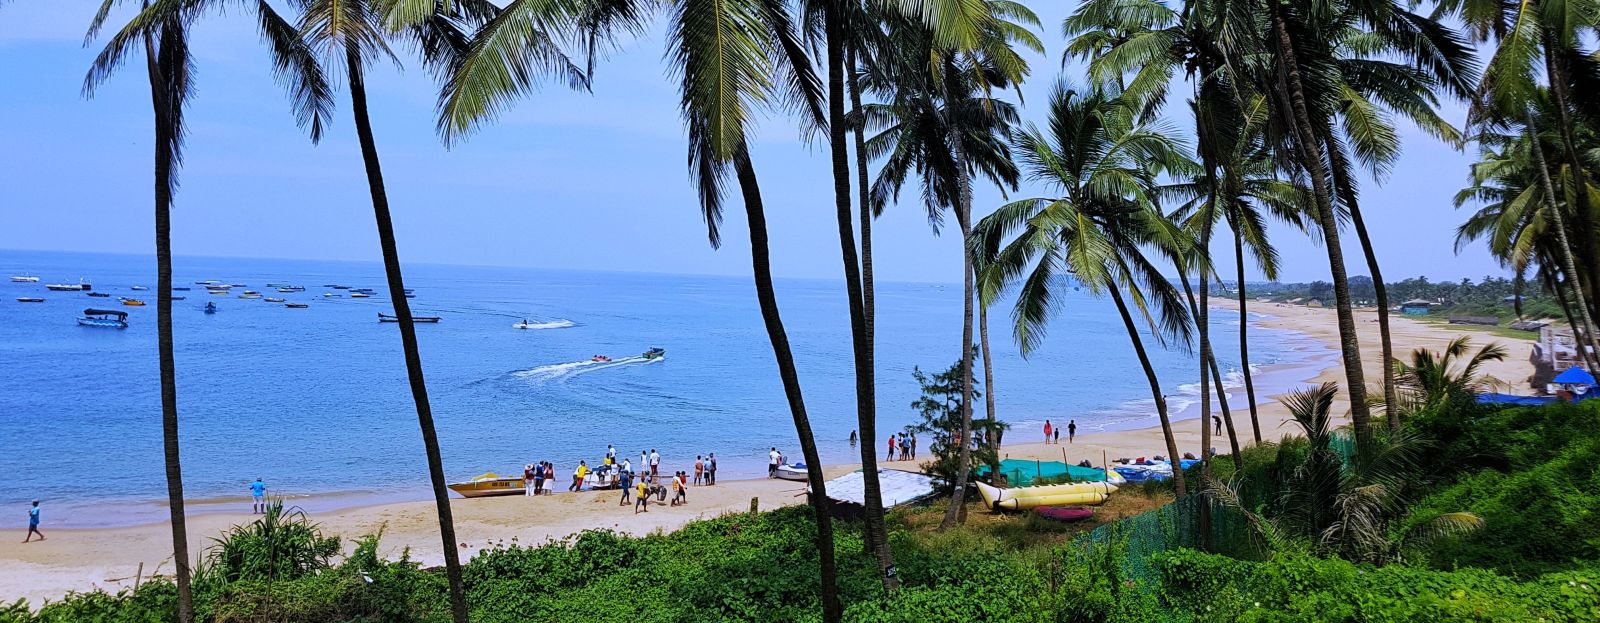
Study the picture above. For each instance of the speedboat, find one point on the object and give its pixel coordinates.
(654, 353)
(488, 484)
(132, 302)
(29, 299)
(24, 279)
(793, 471)
(382, 317)
(273, 299)
(104, 318)
(296, 305)
(600, 359)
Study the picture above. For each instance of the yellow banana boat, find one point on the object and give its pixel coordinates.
(1063, 499)
(995, 495)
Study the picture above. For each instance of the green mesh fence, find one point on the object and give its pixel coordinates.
(1181, 524)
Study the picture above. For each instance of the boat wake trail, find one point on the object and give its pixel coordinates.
(568, 370)
(559, 323)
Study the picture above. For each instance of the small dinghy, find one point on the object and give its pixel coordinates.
(1064, 514)
(793, 471)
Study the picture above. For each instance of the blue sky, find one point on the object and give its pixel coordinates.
(565, 180)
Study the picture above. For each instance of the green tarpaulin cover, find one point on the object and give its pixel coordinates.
(1022, 472)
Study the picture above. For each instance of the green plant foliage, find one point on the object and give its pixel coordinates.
(1314, 590)
(283, 544)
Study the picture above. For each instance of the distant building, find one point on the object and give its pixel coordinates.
(1555, 351)
(1416, 307)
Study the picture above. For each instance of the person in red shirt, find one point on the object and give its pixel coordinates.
(1047, 429)
(891, 447)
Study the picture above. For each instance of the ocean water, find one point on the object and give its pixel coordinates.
(315, 400)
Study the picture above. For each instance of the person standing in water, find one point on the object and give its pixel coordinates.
(33, 523)
(655, 463)
(258, 497)
(852, 439)
(699, 470)
(711, 469)
(1072, 430)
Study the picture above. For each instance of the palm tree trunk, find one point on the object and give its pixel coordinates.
(1381, 293)
(873, 537)
(1556, 72)
(1227, 415)
(1202, 324)
(408, 333)
(165, 138)
(1316, 168)
(1568, 263)
(866, 388)
(988, 386)
(1208, 364)
(1155, 387)
(1244, 337)
(761, 266)
(964, 462)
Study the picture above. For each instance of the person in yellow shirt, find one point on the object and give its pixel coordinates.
(642, 499)
(577, 476)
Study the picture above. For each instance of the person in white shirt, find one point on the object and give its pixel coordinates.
(627, 466)
(611, 455)
(655, 463)
(773, 459)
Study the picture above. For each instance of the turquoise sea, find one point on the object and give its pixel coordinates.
(315, 400)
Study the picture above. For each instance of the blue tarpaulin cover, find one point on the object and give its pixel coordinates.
(1511, 399)
(1574, 376)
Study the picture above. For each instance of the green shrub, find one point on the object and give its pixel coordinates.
(1313, 590)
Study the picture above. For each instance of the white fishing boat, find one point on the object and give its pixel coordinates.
(24, 279)
(793, 471)
(67, 287)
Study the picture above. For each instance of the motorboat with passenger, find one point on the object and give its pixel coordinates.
(104, 318)
(654, 353)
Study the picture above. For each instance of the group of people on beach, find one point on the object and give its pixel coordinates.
(637, 485)
(906, 444)
(1052, 433)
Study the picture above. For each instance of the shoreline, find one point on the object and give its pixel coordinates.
(81, 559)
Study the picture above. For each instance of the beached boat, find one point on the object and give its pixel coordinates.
(793, 471)
(132, 302)
(273, 299)
(24, 279)
(29, 299)
(100, 295)
(104, 318)
(1022, 498)
(382, 317)
(654, 353)
(488, 484)
(296, 305)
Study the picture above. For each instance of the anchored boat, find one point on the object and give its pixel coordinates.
(104, 318)
(382, 317)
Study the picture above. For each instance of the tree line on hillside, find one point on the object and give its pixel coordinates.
(1295, 104)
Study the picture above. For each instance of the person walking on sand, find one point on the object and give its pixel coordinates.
(529, 476)
(1047, 429)
(677, 489)
(626, 485)
(655, 463)
(1072, 430)
(711, 470)
(577, 476)
(772, 462)
(1216, 425)
(699, 469)
(258, 497)
(891, 447)
(641, 498)
(33, 523)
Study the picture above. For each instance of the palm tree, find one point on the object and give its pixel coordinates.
(1104, 164)
(731, 58)
(164, 38)
(1431, 379)
(944, 125)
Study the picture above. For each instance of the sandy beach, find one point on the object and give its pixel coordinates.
(110, 558)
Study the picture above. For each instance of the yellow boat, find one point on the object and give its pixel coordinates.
(133, 302)
(487, 484)
(1071, 494)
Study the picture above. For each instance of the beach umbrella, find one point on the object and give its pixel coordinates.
(1575, 376)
